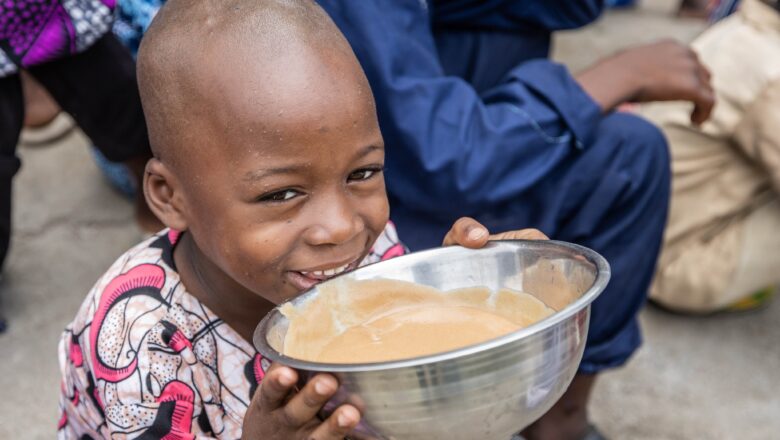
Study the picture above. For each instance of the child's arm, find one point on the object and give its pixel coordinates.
(758, 133)
(470, 233)
(278, 412)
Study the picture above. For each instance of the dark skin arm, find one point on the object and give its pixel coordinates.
(662, 71)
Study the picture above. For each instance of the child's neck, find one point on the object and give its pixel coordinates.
(240, 308)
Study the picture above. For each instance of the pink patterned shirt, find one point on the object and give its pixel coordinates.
(144, 359)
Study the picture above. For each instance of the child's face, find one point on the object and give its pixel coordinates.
(289, 187)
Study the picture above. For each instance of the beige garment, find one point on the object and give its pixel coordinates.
(726, 174)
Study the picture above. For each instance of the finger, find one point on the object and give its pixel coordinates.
(703, 105)
(703, 95)
(523, 234)
(275, 387)
(690, 52)
(467, 232)
(304, 405)
(338, 425)
(705, 75)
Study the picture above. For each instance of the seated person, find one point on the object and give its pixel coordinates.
(479, 123)
(267, 171)
(721, 244)
(66, 49)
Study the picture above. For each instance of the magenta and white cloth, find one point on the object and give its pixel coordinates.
(34, 32)
(145, 359)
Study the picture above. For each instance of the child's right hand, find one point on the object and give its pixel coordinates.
(276, 412)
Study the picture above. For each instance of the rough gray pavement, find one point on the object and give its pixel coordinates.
(704, 378)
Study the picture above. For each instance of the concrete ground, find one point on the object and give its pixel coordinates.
(704, 378)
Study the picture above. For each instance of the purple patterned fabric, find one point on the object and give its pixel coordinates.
(37, 31)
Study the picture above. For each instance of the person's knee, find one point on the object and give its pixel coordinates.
(644, 155)
(644, 143)
(654, 149)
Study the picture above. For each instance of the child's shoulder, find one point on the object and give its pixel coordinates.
(138, 303)
(134, 343)
(143, 270)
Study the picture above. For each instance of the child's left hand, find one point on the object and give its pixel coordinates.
(469, 233)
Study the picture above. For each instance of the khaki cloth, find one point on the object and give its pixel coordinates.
(723, 237)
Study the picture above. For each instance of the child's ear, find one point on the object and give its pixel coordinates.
(163, 194)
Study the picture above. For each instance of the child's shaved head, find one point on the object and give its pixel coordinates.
(192, 48)
(268, 153)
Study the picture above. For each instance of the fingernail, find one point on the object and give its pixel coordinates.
(343, 420)
(285, 378)
(477, 233)
(321, 388)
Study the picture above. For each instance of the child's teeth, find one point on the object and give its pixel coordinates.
(327, 272)
(338, 270)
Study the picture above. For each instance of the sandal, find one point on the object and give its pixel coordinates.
(755, 301)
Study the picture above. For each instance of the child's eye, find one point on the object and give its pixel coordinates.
(364, 174)
(279, 196)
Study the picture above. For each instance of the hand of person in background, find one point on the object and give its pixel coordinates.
(662, 71)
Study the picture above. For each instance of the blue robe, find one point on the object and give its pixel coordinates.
(478, 122)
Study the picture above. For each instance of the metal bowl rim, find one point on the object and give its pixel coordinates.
(603, 275)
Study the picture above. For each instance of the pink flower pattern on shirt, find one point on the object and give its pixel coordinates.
(144, 359)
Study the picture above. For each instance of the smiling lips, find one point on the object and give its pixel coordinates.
(327, 273)
(306, 279)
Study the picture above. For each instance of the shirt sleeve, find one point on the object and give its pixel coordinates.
(447, 145)
(514, 16)
(128, 364)
(757, 134)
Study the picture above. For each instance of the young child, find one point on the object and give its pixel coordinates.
(720, 247)
(268, 173)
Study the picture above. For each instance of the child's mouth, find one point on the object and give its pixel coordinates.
(305, 280)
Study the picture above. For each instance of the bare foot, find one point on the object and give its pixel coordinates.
(44, 123)
(39, 106)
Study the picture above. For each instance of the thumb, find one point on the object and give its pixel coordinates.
(522, 234)
(467, 232)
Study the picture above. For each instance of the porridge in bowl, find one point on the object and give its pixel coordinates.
(384, 320)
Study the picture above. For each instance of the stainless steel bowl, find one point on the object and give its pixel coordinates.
(485, 391)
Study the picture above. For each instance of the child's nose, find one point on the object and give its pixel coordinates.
(335, 221)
